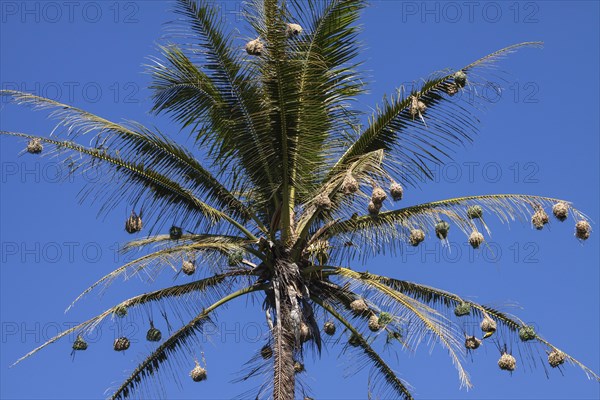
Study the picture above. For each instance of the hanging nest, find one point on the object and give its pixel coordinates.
(298, 367)
(472, 343)
(359, 306)
(539, 218)
(133, 223)
(450, 88)
(378, 196)
(583, 230)
(556, 358)
(293, 30)
(153, 334)
(120, 311)
(374, 325)
(188, 267)
(79, 343)
(175, 233)
(266, 352)
(34, 146)
(560, 210)
(488, 325)
(304, 332)
(460, 79)
(441, 229)
(329, 328)
(396, 191)
(121, 344)
(474, 212)
(323, 201)
(354, 340)
(235, 258)
(507, 362)
(393, 335)
(462, 309)
(417, 107)
(526, 333)
(416, 237)
(476, 239)
(255, 47)
(385, 318)
(374, 208)
(198, 374)
(349, 185)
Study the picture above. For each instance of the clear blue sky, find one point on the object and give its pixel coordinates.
(541, 137)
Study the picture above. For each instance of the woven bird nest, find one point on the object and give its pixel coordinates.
(329, 328)
(385, 318)
(583, 230)
(374, 208)
(304, 332)
(153, 334)
(293, 30)
(474, 212)
(526, 333)
(441, 229)
(120, 311)
(417, 107)
(323, 201)
(175, 233)
(476, 239)
(266, 352)
(34, 146)
(561, 210)
(354, 340)
(133, 223)
(121, 344)
(462, 309)
(79, 344)
(359, 306)
(188, 267)
(298, 367)
(235, 258)
(488, 325)
(472, 343)
(349, 185)
(378, 196)
(556, 358)
(507, 362)
(374, 325)
(396, 191)
(198, 374)
(416, 237)
(255, 47)
(460, 79)
(450, 88)
(539, 218)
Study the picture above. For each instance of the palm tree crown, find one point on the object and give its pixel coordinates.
(287, 184)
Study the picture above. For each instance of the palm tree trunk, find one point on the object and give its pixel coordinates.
(283, 370)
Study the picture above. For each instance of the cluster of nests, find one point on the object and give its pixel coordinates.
(378, 196)
(560, 210)
(121, 343)
(256, 47)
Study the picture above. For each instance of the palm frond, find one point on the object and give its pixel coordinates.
(387, 373)
(154, 262)
(158, 295)
(238, 129)
(150, 366)
(391, 228)
(418, 143)
(427, 316)
(450, 300)
(136, 142)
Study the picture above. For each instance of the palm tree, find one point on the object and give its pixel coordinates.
(291, 189)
